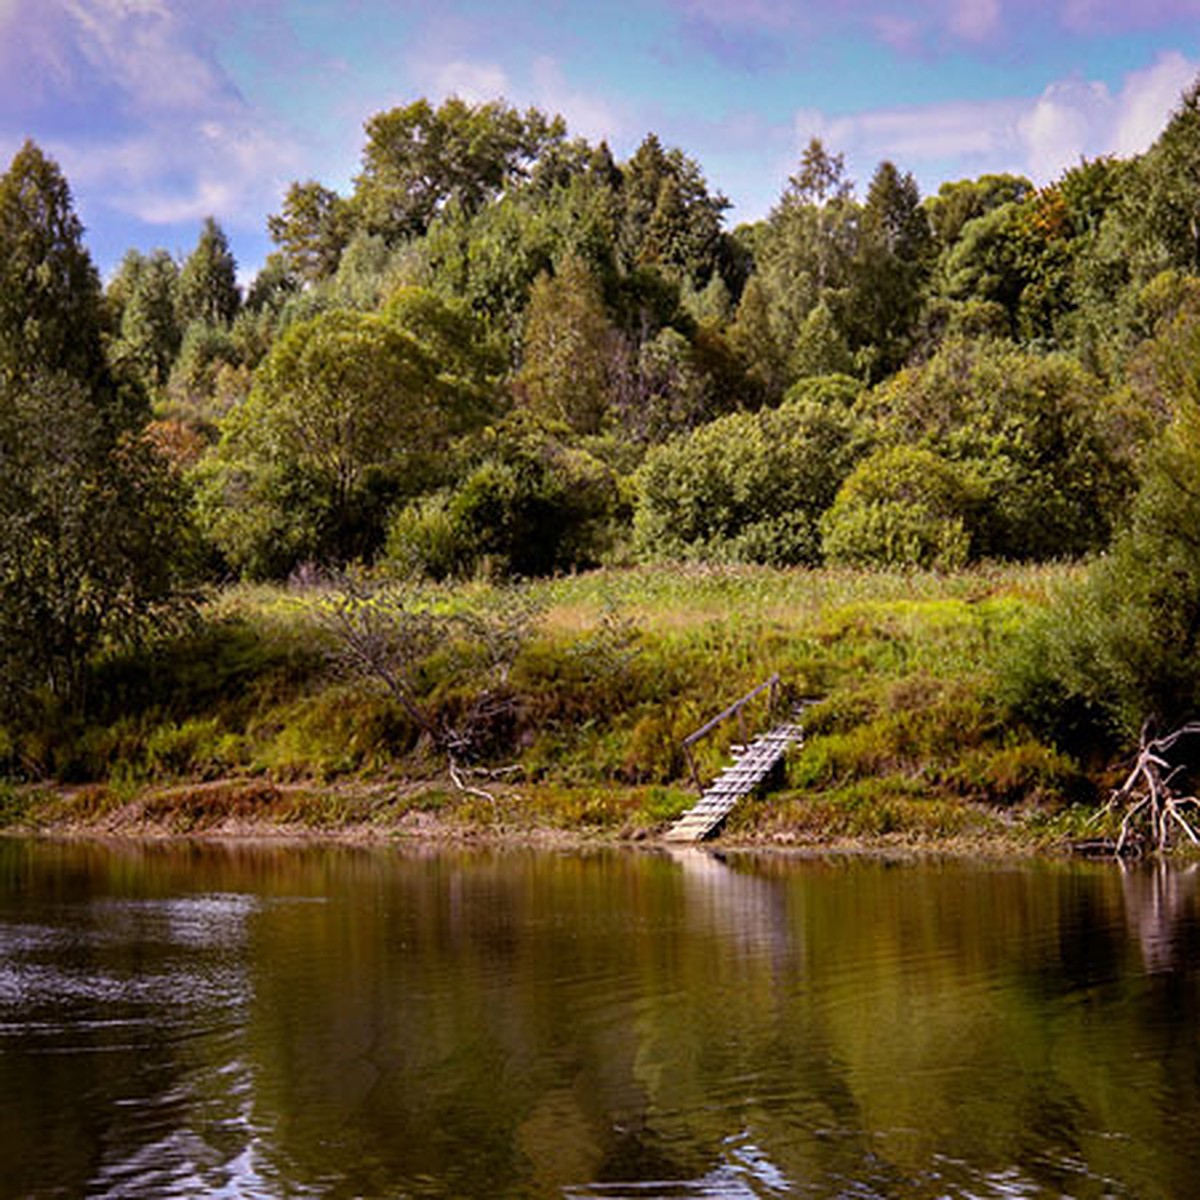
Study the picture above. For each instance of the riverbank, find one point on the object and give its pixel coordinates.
(576, 696)
(538, 817)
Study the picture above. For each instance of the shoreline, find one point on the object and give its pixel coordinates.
(385, 815)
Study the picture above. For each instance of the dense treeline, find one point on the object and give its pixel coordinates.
(504, 351)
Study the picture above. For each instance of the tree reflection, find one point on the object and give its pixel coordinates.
(349, 1022)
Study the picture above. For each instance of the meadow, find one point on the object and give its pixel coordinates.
(256, 720)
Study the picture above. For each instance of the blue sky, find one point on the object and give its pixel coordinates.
(162, 112)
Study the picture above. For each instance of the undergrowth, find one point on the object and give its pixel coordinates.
(617, 668)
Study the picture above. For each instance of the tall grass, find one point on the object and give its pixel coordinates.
(621, 665)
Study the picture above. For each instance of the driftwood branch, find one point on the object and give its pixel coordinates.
(1154, 809)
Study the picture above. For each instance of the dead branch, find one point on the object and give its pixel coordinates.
(1153, 808)
(384, 634)
(456, 777)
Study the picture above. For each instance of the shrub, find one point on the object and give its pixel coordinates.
(749, 487)
(1123, 645)
(533, 507)
(1052, 452)
(902, 506)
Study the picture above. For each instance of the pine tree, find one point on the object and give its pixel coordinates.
(208, 288)
(51, 307)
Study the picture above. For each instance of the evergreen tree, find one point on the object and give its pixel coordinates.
(208, 288)
(889, 271)
(149, 331)
(91, 520)
(51, 307)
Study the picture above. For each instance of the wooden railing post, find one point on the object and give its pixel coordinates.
(735, 709)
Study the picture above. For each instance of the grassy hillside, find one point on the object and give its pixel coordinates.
(254, 718)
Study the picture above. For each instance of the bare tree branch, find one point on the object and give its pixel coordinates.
(1153, 808)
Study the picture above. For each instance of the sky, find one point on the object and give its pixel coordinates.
(164, 112)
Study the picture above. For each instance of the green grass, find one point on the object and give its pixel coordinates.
(908, 736)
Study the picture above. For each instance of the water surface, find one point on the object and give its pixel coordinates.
(216, 1021)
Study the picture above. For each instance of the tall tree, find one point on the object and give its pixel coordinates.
(91, 519)
(670, 220)
(889, 271)
(149, 329)
(963, 200)
(208, 289)
(418, 159)
(312, 229)
(93, 535)
(569, 349)
(51, 308)
(348, 413)
(806, 248)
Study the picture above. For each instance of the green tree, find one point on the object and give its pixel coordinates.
(93, 539)
(962, 201)
(1163, 207)
(1121, 648)
(888, 273)
(419, 159)
(756, 337)
(669, 219)
(204, 352)
(671, 394)
(348, 413)
(51, 306)
(91, 520)
(569, 350)
(311, 230)
(207, 288)
(985, 264)
(1039, 433)
(820, 347)
(804, 255)
(149, 331)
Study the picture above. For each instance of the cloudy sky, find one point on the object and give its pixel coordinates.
(162, 112)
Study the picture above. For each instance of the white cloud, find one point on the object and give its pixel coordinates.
(965, 130)
(472, 82)
(1147, 98)
(160, 131)
(587, 116)
(1068, 121)
(1040, 136)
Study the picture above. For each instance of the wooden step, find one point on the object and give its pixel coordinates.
(754, 764)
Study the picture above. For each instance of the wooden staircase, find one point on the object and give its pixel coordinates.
(752, 765)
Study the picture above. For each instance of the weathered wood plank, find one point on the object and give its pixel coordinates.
(753, 764)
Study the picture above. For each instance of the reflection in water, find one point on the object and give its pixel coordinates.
(745, 1174)
(1159, 902)
(750, 912)
(191, 1021)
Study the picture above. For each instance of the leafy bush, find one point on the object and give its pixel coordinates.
(1122, 646)
(903, 507)
(533, 507)
(1053, 454)
(748, 487)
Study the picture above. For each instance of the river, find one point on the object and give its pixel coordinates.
(185, 1020)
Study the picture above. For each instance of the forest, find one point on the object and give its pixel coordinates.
(506, 365)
